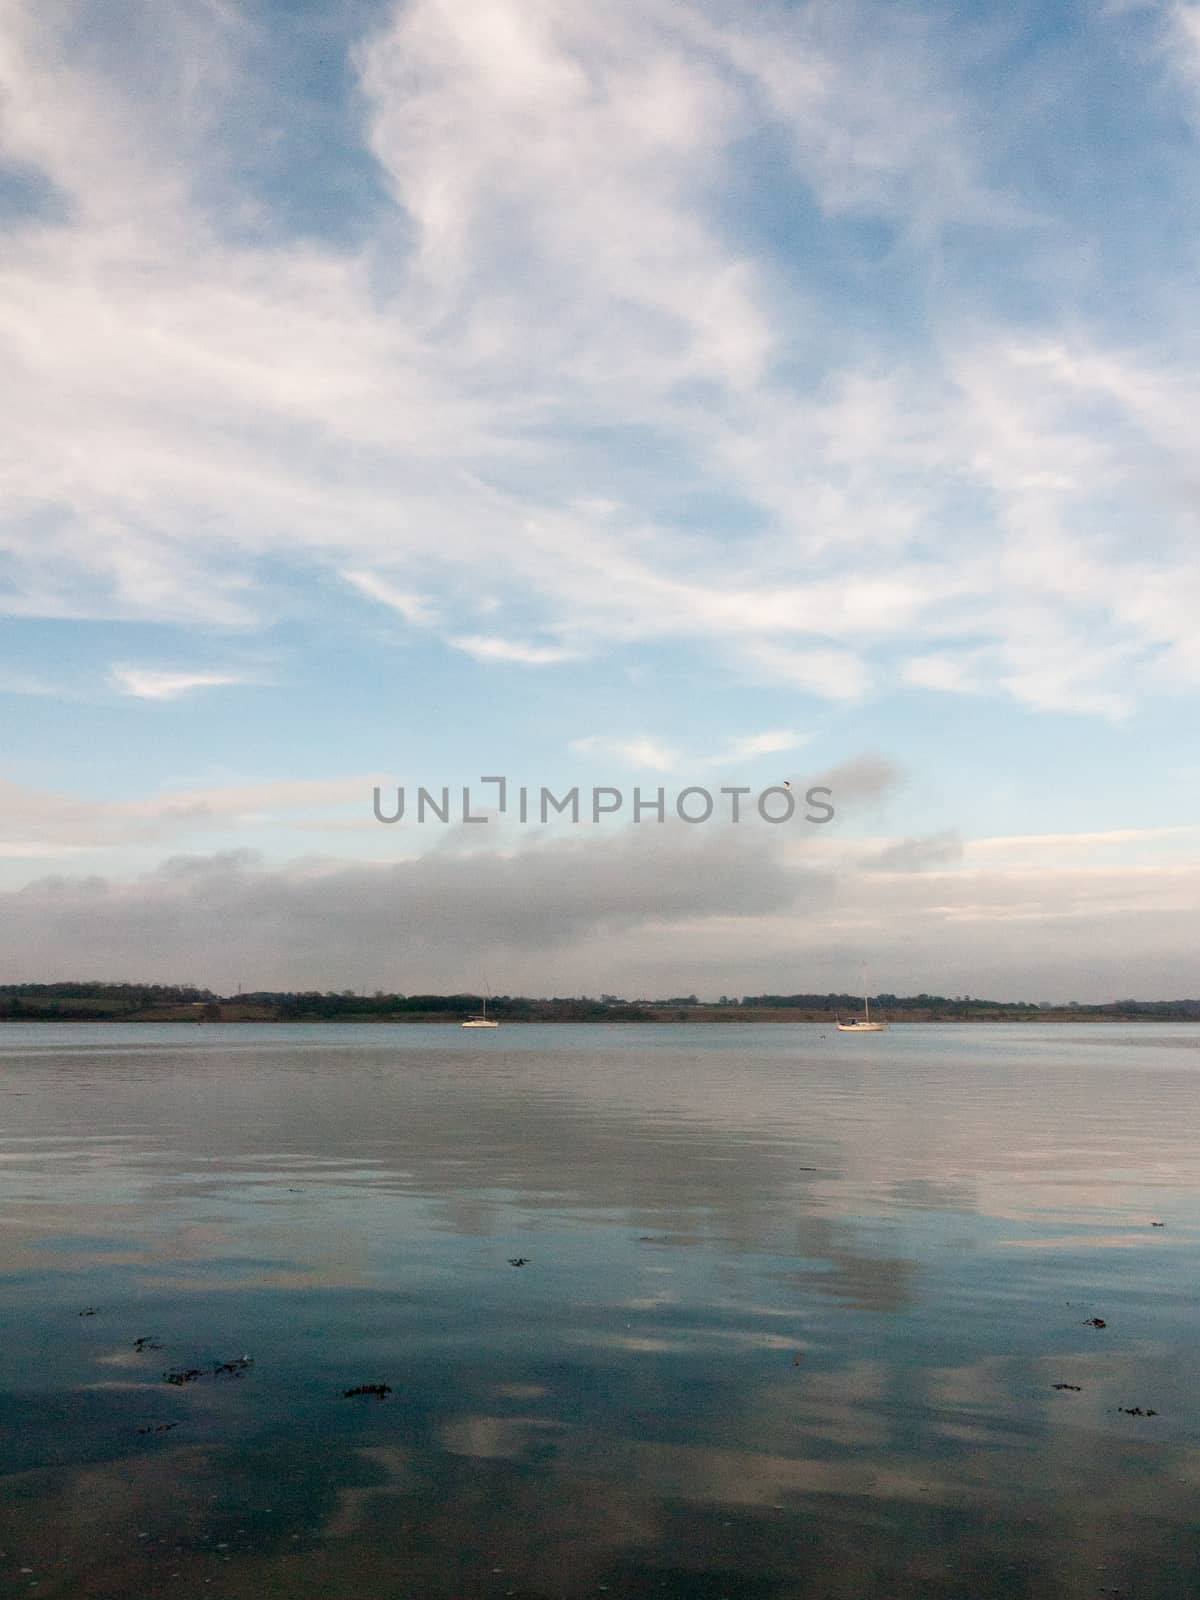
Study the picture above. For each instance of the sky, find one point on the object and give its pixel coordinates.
(597, 393)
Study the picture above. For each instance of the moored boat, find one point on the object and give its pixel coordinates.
(481, 1021)
(861, 1024)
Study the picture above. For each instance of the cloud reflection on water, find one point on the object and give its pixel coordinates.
(750, 1346)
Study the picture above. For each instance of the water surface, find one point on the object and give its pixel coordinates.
(792, 1313)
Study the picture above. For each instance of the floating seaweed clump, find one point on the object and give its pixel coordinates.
(379, 1390)
(181, 1375)
(236, 1367)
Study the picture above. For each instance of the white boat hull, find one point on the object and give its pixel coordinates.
(861, 1024)
(478, 1022)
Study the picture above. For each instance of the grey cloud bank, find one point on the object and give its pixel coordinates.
(668, 909)
(915, 855)
(316, 925)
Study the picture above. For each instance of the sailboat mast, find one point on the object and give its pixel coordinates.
(866, 998)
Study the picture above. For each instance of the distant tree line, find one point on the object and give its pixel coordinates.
(970, 1005)
(97, 1001)
(511, 1008)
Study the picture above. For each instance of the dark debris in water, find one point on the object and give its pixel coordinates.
(233, 1368)
(147, 1342)
(1095, 1322)
(1158, 1224)
(1077, 1387)
(88, 1311)
(181, 1375)
(158, 1427)
(1136, 1411)
(379, 1390)
(518, 1261)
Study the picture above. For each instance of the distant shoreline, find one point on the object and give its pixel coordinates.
(76, 1000)
(670, 1018)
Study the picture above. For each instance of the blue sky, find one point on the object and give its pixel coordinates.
(604, 393)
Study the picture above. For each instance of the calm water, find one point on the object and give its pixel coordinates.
(790, 1324)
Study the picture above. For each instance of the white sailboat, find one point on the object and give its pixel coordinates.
(862, 1024)
(481, 1021)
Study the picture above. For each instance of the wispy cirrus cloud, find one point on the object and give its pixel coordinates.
(830, 674)
(491, 647)
(1182, 37)
(634, 752)
(163, 683)
(775, 741)
(571, 247)
(412, 607)
(44, 822)
(653, 755)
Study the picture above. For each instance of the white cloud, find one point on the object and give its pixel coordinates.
(950, 671)
(183, 408)
(1184, 33)
(633, 752)
(833, 674)
(774, 742)
(158, 683)
(652, 754)
(867, 97)
(412, 607)
(490, 647)
(588, 132)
